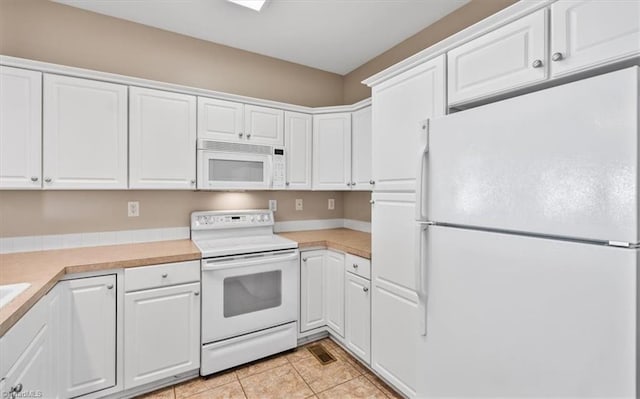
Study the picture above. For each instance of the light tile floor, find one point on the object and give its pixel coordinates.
(293, 374)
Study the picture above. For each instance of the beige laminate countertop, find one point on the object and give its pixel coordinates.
(346, 240)
(43, 269)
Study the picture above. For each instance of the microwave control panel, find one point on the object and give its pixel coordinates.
(279, 171)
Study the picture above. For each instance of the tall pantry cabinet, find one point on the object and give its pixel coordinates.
(400, 107)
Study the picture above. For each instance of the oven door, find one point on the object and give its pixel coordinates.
(241, 294)
(231, 171)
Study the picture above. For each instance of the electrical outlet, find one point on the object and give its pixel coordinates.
(298, 204)
(273, 205)
(332, 204)
(133, 209)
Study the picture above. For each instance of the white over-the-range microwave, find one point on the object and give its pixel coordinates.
(238, 166)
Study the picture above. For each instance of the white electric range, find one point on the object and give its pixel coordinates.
(249, 287)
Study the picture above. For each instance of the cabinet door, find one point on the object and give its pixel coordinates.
(312, 290)
(590, 33)
(220, 120)
(358, 316)
(297, 134)
(31, 374)
(334, 291)
(84, 134)
(264, 125)
(394, 301)
(332, 151)
(20, 128)
(361, 150)
(88, 335)
(162, 139)
(399, 107)
(162, 333)
(27, 368)
(505, 59)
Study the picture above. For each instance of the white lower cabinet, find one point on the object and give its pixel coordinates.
(161, 322)
(27, 368)
(358, 316)
(87, 335)
(337, 300)
(334, 291)
(162, 333)
(312, 271)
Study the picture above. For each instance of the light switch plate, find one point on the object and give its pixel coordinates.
(299, 204)
(133, 209)
(332, 204)
(273, 205)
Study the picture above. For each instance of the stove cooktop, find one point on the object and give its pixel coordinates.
(243, 245)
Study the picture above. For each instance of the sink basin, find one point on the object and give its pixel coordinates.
(10, 291)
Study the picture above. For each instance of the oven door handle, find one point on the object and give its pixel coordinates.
(214, 264)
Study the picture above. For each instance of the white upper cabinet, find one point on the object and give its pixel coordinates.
(220, 120)
(297, 135)
(231, 121)
(20, 128)
(361, 150)
(84, 134)
(263, 125)
(505, 59)
(399, 107)
(162, 139)
(332, 151)
(590, 33)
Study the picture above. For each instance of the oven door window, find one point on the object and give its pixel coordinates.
(229, 170)
(252, 292)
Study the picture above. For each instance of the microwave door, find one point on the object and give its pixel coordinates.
(219, 170)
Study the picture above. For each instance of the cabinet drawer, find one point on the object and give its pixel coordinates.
(359, 266)
(140, 278)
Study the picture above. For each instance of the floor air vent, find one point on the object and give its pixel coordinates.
(320, 353)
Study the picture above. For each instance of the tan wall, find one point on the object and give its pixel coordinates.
(60, 212)
(462, 18)
(47, 31)
(357, 206)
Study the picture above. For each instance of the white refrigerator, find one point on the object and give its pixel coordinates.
(528, 259)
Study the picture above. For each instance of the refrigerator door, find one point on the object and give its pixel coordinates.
(561, 161)
(514, 316)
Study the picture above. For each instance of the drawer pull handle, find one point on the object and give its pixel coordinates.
(557, 57)
(34, 178)
(355, 265)
(304, 259)
(165, 275)
(365, 289)
(110, 286)
(196, 293)
(537, 64)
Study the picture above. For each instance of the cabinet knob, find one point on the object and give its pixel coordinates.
(110, 286)
(372, 182)
(197, 293)
(557, 56)
(240, 134)
(287, 183)
(34, 178)
(304, 259)
(365, 289)
(372, 202)
(248, 135)
(47, 179)
(193, 181)
(355, 265)
(353, 183)
(349, 184)
(537, 64)
(164, 275)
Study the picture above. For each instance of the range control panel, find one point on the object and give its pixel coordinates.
(230, 219)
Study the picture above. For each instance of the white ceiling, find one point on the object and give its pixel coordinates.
(332, 35)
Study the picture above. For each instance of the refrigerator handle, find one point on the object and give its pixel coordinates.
(423, 150)
(421, 276)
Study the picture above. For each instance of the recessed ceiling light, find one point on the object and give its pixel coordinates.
(255, 5)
